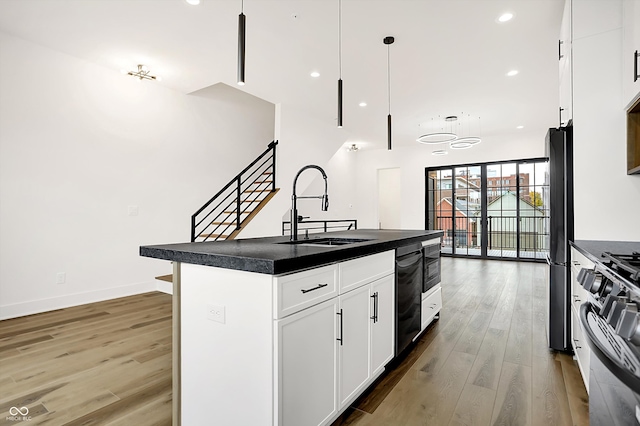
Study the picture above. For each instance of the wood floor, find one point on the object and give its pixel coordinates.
(485, 362)
(107, 363)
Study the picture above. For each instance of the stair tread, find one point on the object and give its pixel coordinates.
(249, 191)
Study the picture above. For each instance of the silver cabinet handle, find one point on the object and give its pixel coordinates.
(314, 288)
(340, 338)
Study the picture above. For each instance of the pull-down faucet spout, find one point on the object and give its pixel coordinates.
(294, 199)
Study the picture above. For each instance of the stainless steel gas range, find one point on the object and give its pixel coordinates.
(610, 322)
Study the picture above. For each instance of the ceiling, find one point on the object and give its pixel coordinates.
(450, 57)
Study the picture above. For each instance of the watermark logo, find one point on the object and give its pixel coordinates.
(18, 414)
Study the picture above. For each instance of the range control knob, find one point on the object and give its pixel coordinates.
(592, 281)
(581, 275)
(607, 305)
(628, 324)
(615, 312)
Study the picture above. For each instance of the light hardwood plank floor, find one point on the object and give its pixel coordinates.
(484, 362)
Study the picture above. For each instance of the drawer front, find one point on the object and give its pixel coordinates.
(357, 272)
(580, 348)
(298, 291)
(431, 305)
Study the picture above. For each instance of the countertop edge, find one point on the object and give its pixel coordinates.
(586, 247)
(288, 263)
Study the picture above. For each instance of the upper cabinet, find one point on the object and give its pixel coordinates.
(565, 68)
(630, 52)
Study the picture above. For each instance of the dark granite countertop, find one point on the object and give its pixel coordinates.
(593, 249)
(266, 256)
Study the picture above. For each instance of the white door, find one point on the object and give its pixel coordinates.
(389, 198)
(306, 371)
(354, 347)
(382, 323)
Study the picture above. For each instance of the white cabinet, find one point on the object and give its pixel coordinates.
(578, 297)
(630, 51)
(382, 324)
(354, 335)
(565, 67)
(306, 366)
(431, 305)
(290, 350)
(367, 329)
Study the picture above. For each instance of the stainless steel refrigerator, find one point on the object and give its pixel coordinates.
(559, 149)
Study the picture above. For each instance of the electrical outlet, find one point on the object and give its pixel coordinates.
(132, 210)
(216, 313)
(61, 278)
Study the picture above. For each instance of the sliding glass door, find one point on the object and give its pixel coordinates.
(491, 210)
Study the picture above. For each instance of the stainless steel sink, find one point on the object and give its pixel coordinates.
(326, 242)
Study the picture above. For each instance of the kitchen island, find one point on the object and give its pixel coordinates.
(269, 331)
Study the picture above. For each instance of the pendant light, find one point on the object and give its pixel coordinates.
(389, 41)
(340, 63)
(242, 32)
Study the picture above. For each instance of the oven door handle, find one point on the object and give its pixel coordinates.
(598, 350)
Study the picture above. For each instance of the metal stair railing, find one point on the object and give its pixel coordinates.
(221, 217)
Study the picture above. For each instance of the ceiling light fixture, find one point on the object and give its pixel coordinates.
(242, 33)
(143, 74)
(315, 74)
(193, 2)
(353, 148)
(389, 41)
(340, 63)
(520, 127)
(512, 73)
(363, 104)
(463, 143)
(505, 17)
(439, 152)
(453, 130)
(438, 133)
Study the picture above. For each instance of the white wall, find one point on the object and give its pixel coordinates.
(79, 144)
(302, 140)
(607, 200)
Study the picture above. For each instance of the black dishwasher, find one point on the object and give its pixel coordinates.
(408, 294)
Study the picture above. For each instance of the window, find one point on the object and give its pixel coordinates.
(501, 212)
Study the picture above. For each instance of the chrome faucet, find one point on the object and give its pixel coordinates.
(294, 199)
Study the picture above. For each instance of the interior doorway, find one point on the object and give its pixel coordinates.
(389, 198)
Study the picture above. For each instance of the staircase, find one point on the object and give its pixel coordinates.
(235, 205)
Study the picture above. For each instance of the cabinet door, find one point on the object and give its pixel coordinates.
(630, 44)
(382, 299)
(354, 345)
(306, 366)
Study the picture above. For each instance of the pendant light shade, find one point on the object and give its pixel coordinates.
(242, 32)
(340, 103)
(340, 63)
(389, 41)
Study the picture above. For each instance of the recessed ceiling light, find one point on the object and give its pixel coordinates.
(505, 17)
(363, 104)
(193, 2)
(512, 73)
(315, 74)
(439, 152)
(520, 127)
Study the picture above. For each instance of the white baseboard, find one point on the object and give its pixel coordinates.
(68, 300)
(164, 286)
